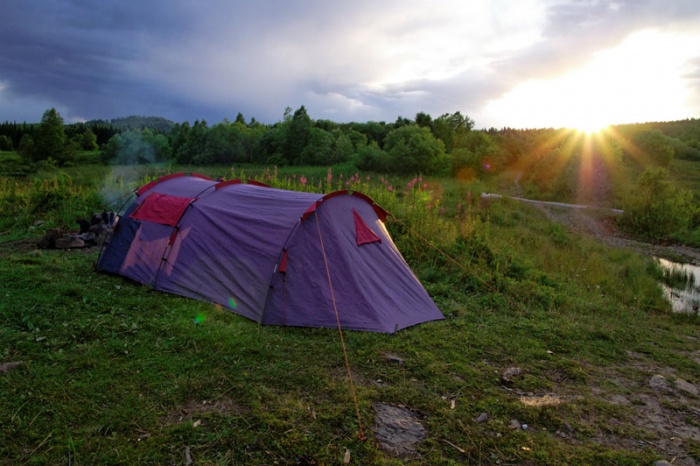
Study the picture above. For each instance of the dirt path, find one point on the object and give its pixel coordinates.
(599, 223)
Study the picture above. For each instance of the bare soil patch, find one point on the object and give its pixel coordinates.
(193, 410)
(664, 409)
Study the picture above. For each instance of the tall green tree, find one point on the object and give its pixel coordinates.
(51, 138)
(5, 143)
(450, 129)
(424, 120)
(26, 148)
(413, 150)
(298, 136)
(477, 155)
(656, 147)
(88, 140)
(193, 141)
(319, 148)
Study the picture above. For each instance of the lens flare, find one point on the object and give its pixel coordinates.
(232, 303)
(199, 318)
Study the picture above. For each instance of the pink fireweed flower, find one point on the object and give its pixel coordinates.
(302, 180)
(390, 188)
(330, 174)
(425, 185)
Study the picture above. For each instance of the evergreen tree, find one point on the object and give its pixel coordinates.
(5, 143)
(88, 140)
(51, 138)
(26, 148)
(298, 136)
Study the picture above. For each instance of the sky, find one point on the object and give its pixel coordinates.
(514, 63)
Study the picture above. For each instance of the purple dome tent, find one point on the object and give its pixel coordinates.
(275, 256)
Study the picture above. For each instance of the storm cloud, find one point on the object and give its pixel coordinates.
(344, 61)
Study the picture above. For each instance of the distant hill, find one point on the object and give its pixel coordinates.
(140, 122)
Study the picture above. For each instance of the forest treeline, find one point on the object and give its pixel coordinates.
(446, 145)
(549, 164)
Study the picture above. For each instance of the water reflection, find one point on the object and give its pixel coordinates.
(685, 294)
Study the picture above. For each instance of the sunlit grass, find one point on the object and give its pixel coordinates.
(114, 372)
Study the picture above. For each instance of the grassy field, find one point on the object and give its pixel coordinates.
(111, 372)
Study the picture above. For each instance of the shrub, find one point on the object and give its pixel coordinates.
(657, 209)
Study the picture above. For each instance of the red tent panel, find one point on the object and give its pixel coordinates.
(162, 209)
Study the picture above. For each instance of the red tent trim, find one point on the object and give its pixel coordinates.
(381, 213)
(363, 233)
(227, 183)
(148, 186)
(239, 181)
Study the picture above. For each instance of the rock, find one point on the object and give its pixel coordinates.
(619, 400)
(88, 238)
(514, 424)
(686, 386)
(392, 358)
(83, 224)
(69, 242)
(662, 463)
(510, 374)
(398, 430)
(8, 366)
(658, 382)
(483, 417)
(48, 241)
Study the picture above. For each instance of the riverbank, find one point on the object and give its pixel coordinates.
(600, 224)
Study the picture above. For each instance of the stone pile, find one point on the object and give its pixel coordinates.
(92, 232)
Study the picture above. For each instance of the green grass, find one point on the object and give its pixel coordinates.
(686, 175)
(115, 373)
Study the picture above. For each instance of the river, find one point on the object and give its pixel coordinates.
(686, 296)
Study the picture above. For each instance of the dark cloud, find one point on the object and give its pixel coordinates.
(75, 53)
(210, 60)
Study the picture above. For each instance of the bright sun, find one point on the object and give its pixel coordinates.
(639, 80)
(591, 126)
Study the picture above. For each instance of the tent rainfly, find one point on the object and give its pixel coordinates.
(275, 256)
